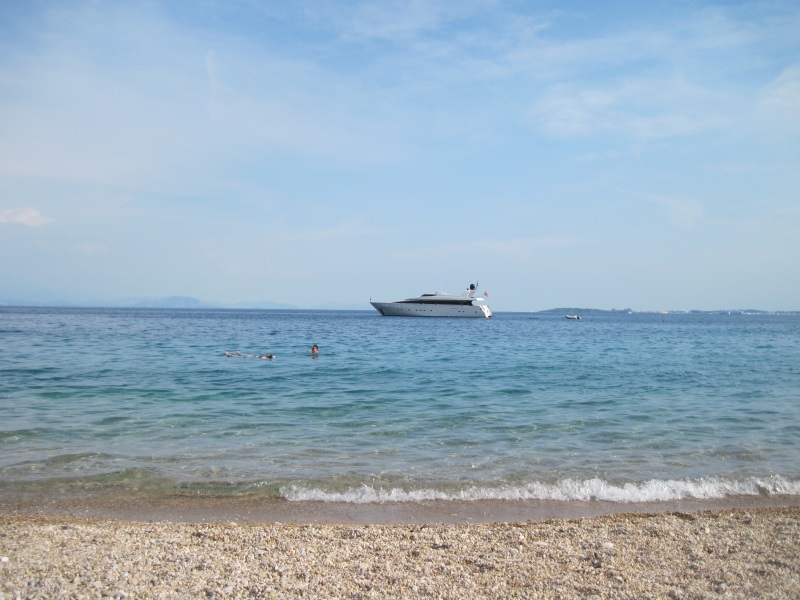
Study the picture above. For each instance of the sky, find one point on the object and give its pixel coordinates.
(619, 154)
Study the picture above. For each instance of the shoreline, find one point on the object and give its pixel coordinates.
(732, 553)
(257, 509)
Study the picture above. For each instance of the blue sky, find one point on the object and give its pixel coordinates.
(587, 154)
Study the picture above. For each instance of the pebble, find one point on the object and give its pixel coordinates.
(618, 556)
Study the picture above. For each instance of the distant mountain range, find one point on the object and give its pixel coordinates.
(181, 302)
(189, 302)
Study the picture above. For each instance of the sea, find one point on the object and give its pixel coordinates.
(615, 407)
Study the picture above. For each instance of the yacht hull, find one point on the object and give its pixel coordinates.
(426, 309)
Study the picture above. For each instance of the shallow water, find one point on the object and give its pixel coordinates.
(615, 407)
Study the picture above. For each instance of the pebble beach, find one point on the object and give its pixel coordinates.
(734, 553)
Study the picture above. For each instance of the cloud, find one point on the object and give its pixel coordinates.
(133, 95)
(92, 249)
(23, 216)
(681, 77)
(395, 20)
(513, 248)
(644, 109)
(338, 231)
(682, 212)
(781, 99)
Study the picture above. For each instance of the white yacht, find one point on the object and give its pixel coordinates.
(438, 304)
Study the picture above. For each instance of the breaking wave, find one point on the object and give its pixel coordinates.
(565, 490)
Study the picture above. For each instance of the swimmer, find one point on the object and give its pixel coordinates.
(314, 350)
(240, 355)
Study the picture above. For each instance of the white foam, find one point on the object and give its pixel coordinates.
(566, 490)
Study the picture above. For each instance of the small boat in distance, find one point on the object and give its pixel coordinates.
(573, 317)
(438, 304)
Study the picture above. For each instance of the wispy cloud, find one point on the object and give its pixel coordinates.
(23, 216)
(680, 211)
(92, 249)
(780, 99)
(684, 213)
(347, 229)
(377, 84)
(642, 109)
(395, 20)
(515, 249)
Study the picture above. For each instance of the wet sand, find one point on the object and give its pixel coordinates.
(209, 509)
(360, 551)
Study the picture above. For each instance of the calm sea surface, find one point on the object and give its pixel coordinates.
(615, 407)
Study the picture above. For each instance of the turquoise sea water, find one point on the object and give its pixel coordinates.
(618, 407)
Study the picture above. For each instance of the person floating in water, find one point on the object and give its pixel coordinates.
(314, 350)
(240, 355)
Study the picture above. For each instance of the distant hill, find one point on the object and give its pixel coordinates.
(170, 302)
(189, 302)
(264, 305)
(166, 302)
